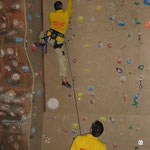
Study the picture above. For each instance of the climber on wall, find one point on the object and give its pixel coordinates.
(90, 141)
(59, 20)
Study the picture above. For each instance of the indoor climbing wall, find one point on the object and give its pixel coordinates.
(16, 79)
(108, 48)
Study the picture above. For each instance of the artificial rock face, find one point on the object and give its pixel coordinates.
(15, 82)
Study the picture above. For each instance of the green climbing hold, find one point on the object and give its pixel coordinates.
(136, 147)
(141, 67)
(130, 127)
(136, 3)
(135, 104)
(129, 35)
(137, 21)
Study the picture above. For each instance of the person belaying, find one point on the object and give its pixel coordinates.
(59, 20)
(90, 141)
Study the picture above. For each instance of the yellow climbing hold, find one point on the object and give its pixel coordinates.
(99, 8)
(87, 46)
(80, 18)
(75, 126)
(87, 70)
(80, 95)
(103, 119)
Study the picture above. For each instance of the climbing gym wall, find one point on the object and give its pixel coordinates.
(108, 52)
(21, 83)
(108, 47)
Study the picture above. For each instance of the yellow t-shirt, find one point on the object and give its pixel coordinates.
(59, 20)
(87, 142)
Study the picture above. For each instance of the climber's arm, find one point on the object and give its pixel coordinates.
(69, 7)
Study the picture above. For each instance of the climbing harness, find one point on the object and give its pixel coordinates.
(54, 35)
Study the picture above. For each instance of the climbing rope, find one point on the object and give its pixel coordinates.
(73, 86)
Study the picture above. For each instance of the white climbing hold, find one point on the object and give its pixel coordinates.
(52, 103)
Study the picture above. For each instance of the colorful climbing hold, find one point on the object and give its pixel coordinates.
(99, 44)
(122, 23)
(75, 126)
(136, 147)
(80, 18)
(128, 61)
(2, 147)
(84, 118)
(25, 68)
(140, 142)
(115, 145)
(112, 17)
(119, 70)
(119, 60)
(74, 60)
(33, 130)
(111, 120)
(91, 101)
(91, 88)
(99, 8)
(37, 15)
(30, 18)
(141, 67)
(129, 35)
(147, 24)
(47, 140)
(87, 70)
(136, 3)
(136, 97)
(19, 40)
(33, 47)
(80, 95)
(130, 127)
(135, 103)
(16, 6)
(30, 5)
(137, 21)
(74, 131)
(39, 93)
(103, 119)
(86, 45)
(147, 2)
(123, 79)
(109, 45)
(91, 93)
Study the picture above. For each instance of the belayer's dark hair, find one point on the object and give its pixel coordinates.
(58, 5)
(97, 128)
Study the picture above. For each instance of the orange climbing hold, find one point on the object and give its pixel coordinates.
(147, 25)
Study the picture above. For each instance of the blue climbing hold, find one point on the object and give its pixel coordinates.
(147, 2)
(91, 88)
(128, 61)
(136, 97)
(122, 23)
(2, 147)
(39, 93)
(74, 131)
(19, 39)
(33, 130)
(25, 68)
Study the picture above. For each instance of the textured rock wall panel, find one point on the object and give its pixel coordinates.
(15, 77)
